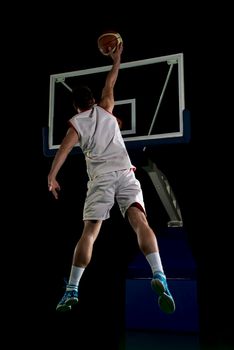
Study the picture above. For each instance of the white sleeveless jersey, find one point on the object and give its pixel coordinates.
(101, 141)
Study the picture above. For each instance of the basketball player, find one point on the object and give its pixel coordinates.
(111, 175)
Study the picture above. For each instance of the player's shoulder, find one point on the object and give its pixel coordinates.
(102, 109)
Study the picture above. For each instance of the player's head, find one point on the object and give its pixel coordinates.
(82, 98)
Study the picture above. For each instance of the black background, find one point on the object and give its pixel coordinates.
(42, 232)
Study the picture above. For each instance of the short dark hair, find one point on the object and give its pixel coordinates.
(82, 97)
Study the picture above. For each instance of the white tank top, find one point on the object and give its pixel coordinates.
(101, 141)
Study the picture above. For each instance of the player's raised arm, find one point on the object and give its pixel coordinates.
(107, 97)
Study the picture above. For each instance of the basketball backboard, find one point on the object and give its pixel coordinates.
(149, 95)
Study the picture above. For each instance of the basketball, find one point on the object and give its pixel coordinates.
(107, 42)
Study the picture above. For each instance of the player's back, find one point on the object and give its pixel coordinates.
(101, 141)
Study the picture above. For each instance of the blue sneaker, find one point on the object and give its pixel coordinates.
(70, 298)
(165, 300)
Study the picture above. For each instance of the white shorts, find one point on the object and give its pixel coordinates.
(121, 186)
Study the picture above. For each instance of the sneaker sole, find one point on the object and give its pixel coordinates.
(158, 287)
(72, 301)
(67, 305)
(165, 302)
(63, 308)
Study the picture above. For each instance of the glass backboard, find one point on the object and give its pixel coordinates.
(149, 99)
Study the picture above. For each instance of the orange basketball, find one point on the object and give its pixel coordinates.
(107, 42)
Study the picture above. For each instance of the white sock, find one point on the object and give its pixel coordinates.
(75, 276)
(155, 262)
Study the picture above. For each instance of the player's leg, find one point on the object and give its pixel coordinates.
(131, 203)
(148, 244)
(145, 235)
(99, 200)
(84, 247)
(81, 258)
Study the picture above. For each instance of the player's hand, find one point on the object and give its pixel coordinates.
(117, 54)
(54, 187)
